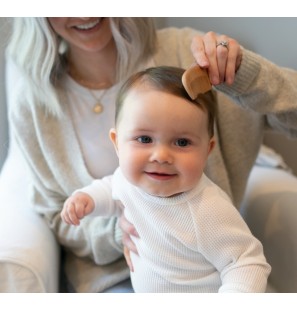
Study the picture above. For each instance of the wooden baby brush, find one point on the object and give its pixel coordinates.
(196, 81)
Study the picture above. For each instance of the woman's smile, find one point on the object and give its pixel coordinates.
(93, 25)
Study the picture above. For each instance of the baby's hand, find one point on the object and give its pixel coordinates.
(76, 207)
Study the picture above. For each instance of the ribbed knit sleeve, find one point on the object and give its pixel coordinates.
(100, 191)
(267, 89)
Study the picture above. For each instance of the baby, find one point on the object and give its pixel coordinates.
(192, 239)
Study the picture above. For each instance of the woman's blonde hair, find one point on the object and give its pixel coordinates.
(38, 53)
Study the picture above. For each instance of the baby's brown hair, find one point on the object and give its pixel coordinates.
(168, 79)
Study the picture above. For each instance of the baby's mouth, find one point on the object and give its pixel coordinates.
(160, 175)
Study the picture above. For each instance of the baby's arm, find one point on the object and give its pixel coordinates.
(76, 207)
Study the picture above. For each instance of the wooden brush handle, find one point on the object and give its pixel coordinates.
(196, 81)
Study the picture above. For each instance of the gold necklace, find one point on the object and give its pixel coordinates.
(98, 107)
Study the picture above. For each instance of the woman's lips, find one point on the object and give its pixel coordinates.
(89, 25)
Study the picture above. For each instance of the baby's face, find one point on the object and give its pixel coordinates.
(162, 142)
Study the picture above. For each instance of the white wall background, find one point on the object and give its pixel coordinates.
(271, 37)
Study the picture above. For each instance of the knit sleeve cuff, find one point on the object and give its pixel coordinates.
(245, 76)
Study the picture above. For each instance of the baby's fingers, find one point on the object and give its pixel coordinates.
(65, 217)
(72, 214)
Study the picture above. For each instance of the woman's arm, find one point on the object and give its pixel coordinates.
(56, 170)
(250, 80)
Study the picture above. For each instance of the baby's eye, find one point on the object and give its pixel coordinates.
(182, 142)
(144, 139)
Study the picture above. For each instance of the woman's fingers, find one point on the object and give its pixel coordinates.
(128, 259)
(219, 54)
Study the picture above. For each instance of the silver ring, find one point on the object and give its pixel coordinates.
(223, 43)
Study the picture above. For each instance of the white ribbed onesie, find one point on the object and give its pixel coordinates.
(193, 242)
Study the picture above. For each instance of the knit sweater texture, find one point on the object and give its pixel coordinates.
(262, 97)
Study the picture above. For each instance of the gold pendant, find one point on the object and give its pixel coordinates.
(98, 108)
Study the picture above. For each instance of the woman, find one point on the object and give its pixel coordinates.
(73, 68)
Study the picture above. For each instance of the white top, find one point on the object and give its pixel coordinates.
(193, 242)
(92, 129)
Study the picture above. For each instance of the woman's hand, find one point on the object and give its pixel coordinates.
(128, 231)
(219, 54)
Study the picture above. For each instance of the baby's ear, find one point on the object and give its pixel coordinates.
(114, 138)
(212, 144)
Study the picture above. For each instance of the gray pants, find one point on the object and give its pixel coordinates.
(122, 287)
